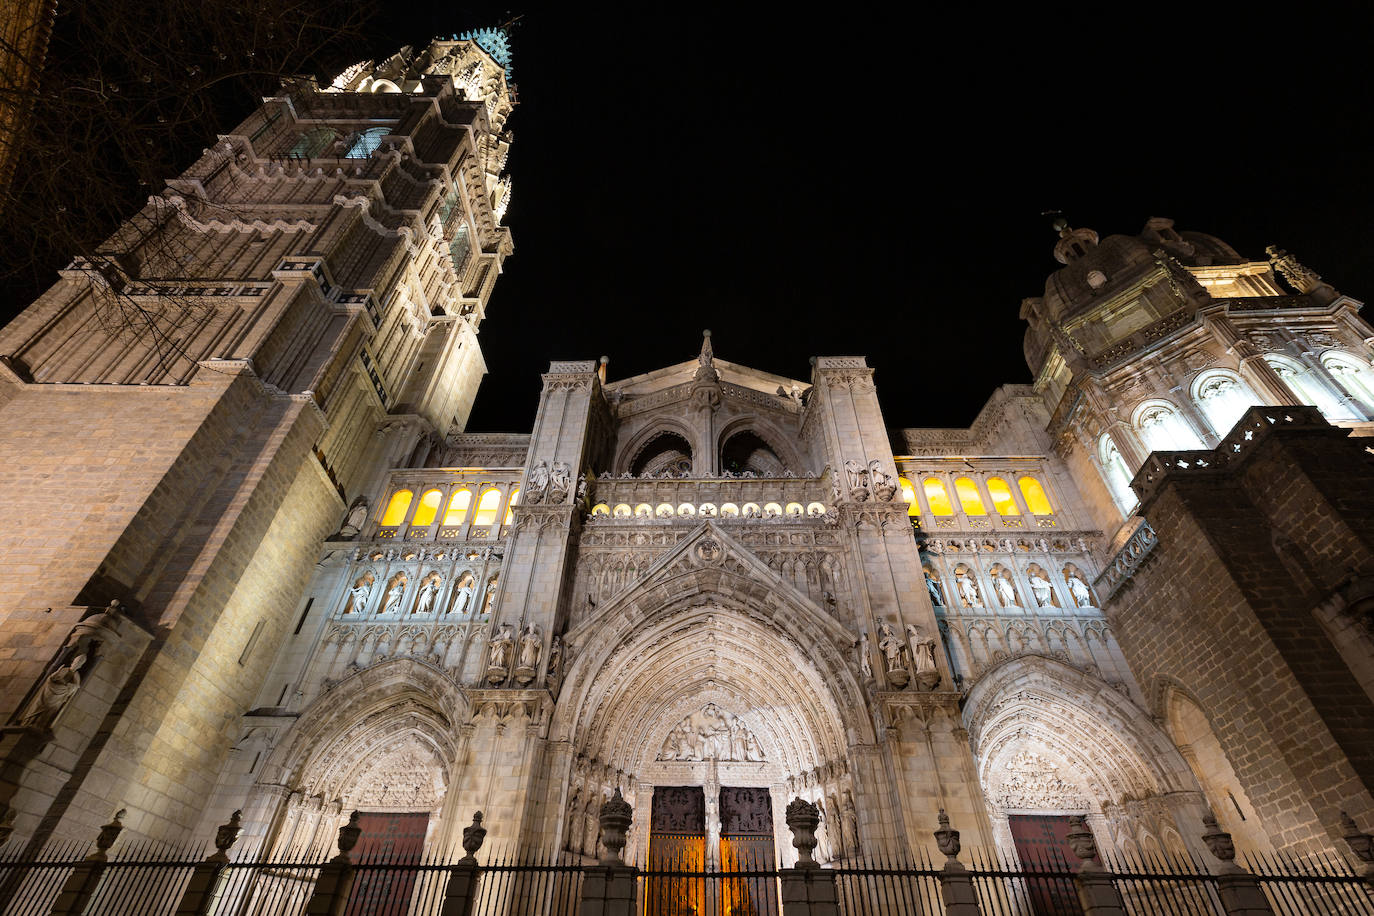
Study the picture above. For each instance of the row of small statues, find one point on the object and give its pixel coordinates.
(1041, 589)
(750, 510)
(894, 649)
(685, 473)
(394, 600)
(505, 650)
(871, 480)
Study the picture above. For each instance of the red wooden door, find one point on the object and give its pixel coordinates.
(388, 837)
(1042, 845)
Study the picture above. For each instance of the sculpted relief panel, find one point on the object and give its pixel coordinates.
(711, 734)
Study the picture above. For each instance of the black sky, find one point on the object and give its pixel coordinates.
(872, 182)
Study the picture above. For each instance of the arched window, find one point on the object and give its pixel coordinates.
(666, 455)
(486, 508)
(1163, 429)
(510, 506)
(969, 497)
(397, 508)
(1354, 376)
(427, 509)
(1002, 500)
(747, 451)
(913, 505)
(458, 507)
(366, 143)
(1034, 493)
(1222, 397)
(1118, 477)
(312, 143)
(1311, 390)
(937, 496)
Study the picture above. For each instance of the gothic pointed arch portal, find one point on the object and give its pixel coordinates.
(711, 672)
(1051, 741)
(382, 741)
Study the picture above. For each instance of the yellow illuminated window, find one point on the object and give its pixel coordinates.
(938, 497)
(428, 508)
(1002, 500)
(397, 508)
(514, 501)
(486, 508)
(458, 507)
(1036, 499)
(969, 497)
(601, 509)
(913, 506)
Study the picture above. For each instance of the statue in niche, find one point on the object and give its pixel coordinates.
(358, 594)
(883, 487)
(500, 650)
(1041, 589)
(538, 482)
(356, 518)
(555, 675)
(530, 644)
(424, 602)
(392, 603)
(851, 822)
(923, 657)
(462, 598)
(1081, 596)
(968, 590)
(57, 691)
(934, 588)
(560, 483)
(865, 657)
(489, 597)
(1005, 591)
(891, 646)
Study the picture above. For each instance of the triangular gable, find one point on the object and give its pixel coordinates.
(713, 555)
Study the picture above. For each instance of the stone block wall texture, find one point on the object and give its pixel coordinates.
(1223, 609)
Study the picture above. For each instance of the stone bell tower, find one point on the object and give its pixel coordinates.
(188, 413)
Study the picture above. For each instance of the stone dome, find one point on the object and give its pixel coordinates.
(1115, 260)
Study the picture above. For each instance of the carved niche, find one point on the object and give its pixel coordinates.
(711, 734)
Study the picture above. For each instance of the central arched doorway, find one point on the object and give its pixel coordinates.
(709, 714)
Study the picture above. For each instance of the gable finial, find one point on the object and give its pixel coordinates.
(708, 355)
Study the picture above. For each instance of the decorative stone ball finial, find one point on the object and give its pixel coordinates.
(348, 838)
(472, 840)
(947, 839)
(616, 817)
(1218, 840)
(1360, 843)
(1081, 842)
(226, 836)
(802, 819)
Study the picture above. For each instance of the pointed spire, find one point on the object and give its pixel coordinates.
(708, 356)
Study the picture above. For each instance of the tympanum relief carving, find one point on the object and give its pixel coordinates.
(711, 734)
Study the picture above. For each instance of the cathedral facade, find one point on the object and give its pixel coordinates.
(256, 562)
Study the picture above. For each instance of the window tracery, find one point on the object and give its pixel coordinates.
(1222, 397)
(1163, 429)
(1116, 474)
(1311, 390)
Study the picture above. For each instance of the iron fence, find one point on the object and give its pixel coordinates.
(150, 881)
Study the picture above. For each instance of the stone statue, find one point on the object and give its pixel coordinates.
(923, 657)
(356, 518)
(1302, 278)
(555, 661)
(57, 691)
(1005, 591)
(489, 597)
(392, 604)
(538, 482)
(934, 588)
(865, 654)
(500, 649)
(1081, 596)
(425, 602)
(883, 488)
(1041, 589)
(358, 594)
(891, 646)
(462, 598)
(752, 751)
(739, 737)
(530, 644)
(968, 590)
(858, 479)
(560, 482)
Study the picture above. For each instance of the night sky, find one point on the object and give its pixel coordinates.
(870, 183)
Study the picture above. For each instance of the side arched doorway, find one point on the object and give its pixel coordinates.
(1051, 741)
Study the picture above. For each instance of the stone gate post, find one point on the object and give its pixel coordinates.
(609, 889)
(1240, 893)
(1096, 891)
(961, 899)
(207, 881)
(82, 883)
(461, 890)
(808, 889)
(336, 876)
